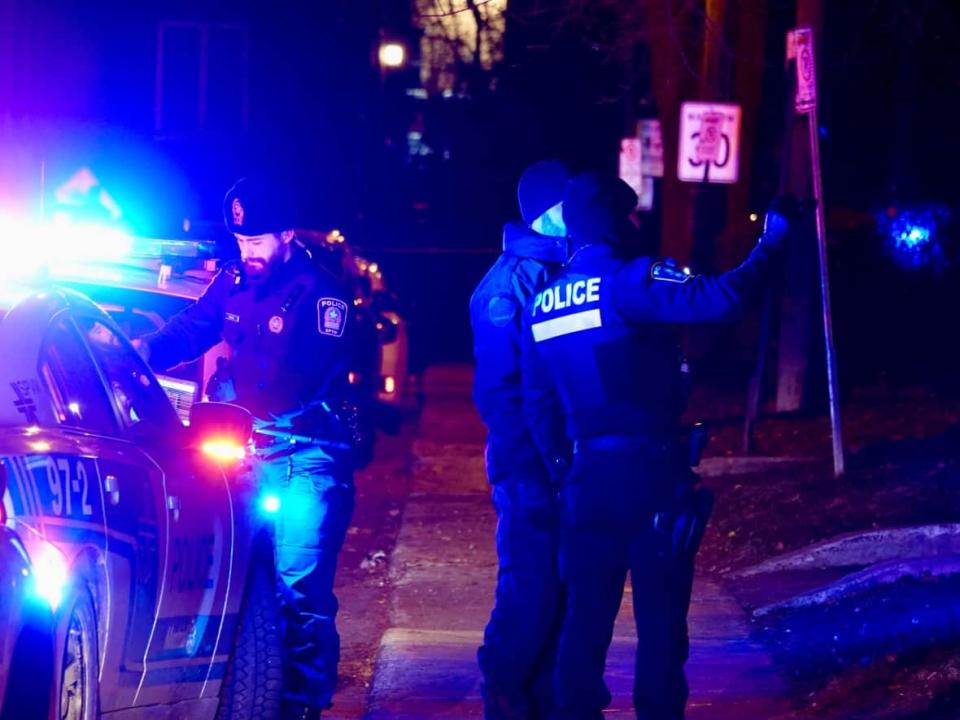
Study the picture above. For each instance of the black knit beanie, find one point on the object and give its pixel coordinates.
(541, 187)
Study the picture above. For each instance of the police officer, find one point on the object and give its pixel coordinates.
(601, 367)
(285, 320)
(516, 657)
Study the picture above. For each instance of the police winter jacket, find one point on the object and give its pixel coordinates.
(600, 351)
(286, 336)
(496, 308)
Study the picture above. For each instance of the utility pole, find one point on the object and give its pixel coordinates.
(797, 314)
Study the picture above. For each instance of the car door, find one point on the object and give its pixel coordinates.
(110, 493)
(186, 655)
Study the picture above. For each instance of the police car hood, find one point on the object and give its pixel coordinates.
(523, 242)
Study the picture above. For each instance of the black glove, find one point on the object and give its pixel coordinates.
(783, 215)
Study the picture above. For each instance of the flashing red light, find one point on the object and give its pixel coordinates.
(223, 450)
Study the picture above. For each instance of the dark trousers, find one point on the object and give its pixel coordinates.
(607, 531)
(316, 503)
(519, 643)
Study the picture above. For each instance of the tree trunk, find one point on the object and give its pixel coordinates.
(710, 199)
(749, 42)
(673, 81)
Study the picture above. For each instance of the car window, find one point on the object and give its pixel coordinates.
(77, 392)
(136, 393)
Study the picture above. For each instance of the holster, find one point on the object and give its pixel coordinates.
(220, 386)
(685, 524)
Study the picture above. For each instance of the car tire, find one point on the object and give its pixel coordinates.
(77, 691)
(31, 671)
(253, 684)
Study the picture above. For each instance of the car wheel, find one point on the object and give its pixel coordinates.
(31, 671)
(253, 683)
(79, 694)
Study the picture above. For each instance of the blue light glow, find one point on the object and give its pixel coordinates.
(51, 575)
(270, 504)
(912, 236)
(33, 247)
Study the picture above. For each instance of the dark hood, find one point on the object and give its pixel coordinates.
(523, 242)
(596, 208)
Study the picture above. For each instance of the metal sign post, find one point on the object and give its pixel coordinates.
(806, 102)
(802, 96)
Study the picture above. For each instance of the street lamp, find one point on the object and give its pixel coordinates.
(392, 55)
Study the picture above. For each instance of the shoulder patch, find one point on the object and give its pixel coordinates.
(331, 316)
(667, 271)
(501, 310)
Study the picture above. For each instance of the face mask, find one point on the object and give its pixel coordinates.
(551, 222)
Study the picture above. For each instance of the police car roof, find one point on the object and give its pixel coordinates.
(143, 275)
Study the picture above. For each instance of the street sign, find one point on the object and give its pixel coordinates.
(646, 194)
(806, 99)
(709, 142)
(631, 152)
(651, 163)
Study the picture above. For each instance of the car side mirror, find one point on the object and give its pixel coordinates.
(221, 430)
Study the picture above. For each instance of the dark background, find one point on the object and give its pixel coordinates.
(294, 89)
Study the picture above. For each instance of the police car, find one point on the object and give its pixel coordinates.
(143, 535)
(143, 282)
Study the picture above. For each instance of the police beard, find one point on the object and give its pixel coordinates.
(257, 271)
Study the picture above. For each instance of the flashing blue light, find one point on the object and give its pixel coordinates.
(51, 575)
(33, 247)
(912, 236)
(270, 504)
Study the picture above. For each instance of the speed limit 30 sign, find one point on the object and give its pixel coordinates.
(709, 142)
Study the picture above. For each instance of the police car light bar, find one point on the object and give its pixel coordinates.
(35, 246)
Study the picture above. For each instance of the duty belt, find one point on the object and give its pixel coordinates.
(625, 442)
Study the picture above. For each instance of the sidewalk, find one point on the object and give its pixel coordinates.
(442, 574)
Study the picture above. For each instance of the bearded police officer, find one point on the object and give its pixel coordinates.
(286, 323)
(601, 368)
(519, 642)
